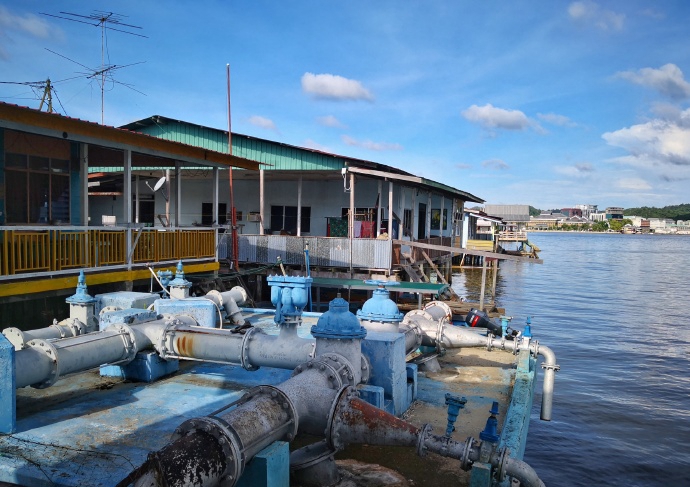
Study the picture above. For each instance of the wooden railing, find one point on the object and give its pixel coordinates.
(29, 250)
(512, 236)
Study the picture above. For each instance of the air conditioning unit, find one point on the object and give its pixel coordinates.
(108, 220)
(254, 216)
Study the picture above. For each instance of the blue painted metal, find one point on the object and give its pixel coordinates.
(338, 323)
(504, 325)
(8, 408)
(386, 355)
(289, 295)
(490, 431)
(81, 296)
(125, 300)
(455, 404)
(180, 280)
(481, 475)
(127, 316)
(528, 328)
(165, 277)
(516, 422)
(380, 307)
(146, 367)
(269, 468)
(204, 311)
(411, 372)
(374, 395)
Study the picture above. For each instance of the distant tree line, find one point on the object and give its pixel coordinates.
(674, 212)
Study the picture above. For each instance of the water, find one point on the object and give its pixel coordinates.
(614, 308)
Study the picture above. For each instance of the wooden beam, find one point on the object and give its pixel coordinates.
(457, 250)
(431, 263)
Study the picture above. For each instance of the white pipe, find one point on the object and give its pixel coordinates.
(550, 368)
(69, 327)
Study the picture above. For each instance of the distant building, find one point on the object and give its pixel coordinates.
(614, 213)
(572, 211)
(516, 217)
(598, 216)
(587, 210)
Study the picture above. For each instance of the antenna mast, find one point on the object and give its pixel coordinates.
(101, 19)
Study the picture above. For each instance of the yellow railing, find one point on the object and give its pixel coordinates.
(47, 249)
(485, 245)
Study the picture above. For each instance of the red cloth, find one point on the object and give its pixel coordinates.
(367, 230)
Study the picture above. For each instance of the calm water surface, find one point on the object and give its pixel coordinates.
(614, 308)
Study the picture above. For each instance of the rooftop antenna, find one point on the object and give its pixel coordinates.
(45, 88)
(104, 20)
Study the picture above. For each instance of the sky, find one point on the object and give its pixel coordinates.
(543, 102)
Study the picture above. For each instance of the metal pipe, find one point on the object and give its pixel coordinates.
(69, 327)
(234, 434)
(229, 300)
(438, 333)
(43, 362)
(523, 472)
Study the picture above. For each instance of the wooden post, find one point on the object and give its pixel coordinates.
(493, 285)
(481, 295)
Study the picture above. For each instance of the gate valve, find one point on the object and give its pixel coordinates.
(455, 404)
(528, 328)
(490, 432)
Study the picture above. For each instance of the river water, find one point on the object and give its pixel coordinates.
(614, 308)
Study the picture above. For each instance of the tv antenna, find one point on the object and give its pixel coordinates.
(43, 89)
(106, 21)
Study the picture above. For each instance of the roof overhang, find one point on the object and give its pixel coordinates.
(58, 126)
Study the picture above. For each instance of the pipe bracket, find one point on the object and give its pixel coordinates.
(129, 340)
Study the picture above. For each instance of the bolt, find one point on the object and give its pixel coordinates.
(322, 367)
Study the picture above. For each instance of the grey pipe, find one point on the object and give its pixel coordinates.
(550, 367)
(42, 362)
(66, 328)
(229, 300)
(212, 450)
(523, 472)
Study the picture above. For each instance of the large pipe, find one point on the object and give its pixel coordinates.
(229, 300)
(234, 434)
(66, 328)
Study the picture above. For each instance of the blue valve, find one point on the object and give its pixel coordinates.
(528, 328)
(490, 432)
(455, 404)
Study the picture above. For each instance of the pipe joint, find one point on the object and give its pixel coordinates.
(49, 350)
(424, 435)
(244, 351)
(336, 368)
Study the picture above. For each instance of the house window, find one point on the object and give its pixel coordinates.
(284, 219)
(207, 213)
(37, 189)
(436, 219)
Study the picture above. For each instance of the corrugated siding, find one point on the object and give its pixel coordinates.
(323, 251)
(279, 156)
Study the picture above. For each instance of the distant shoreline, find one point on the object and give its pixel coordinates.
(609, 233)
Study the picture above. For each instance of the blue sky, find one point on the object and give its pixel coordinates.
(548, 103)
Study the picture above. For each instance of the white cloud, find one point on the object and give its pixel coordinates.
(592, 13)
(581, 170)
(495, 164)
(316, 146)
(555, 119)
(334, 87)
(667, 80)
(634, 184)
(655, 143)
(461, 165)
(331, 121)
(368, 144)
(491, 117)
(264, 123)
(28, 24)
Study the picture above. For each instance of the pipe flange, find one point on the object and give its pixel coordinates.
(421, 441)
(416, 314)
(244, 355)
(166, 337)
(443, 307)
(107, 309)
(129, 340)
(310, 455)
(59, 329)
(465, 460)
(225, 436)
(503, 459)
(345, 394)
(77, 327)
(324, 367)
(365, 369)
(15, 336)
(51, 352)
(217, 295)
(439, 336)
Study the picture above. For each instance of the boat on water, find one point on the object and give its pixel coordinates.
(135, 389)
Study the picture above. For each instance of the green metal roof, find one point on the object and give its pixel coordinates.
(277, 155)
(400, 287)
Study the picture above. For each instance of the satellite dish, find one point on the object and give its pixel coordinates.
(159, 184)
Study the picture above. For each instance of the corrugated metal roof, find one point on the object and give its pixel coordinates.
(277, 155)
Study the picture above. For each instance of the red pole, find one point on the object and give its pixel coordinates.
(233, 214)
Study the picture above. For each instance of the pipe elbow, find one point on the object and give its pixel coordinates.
(523, 472)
